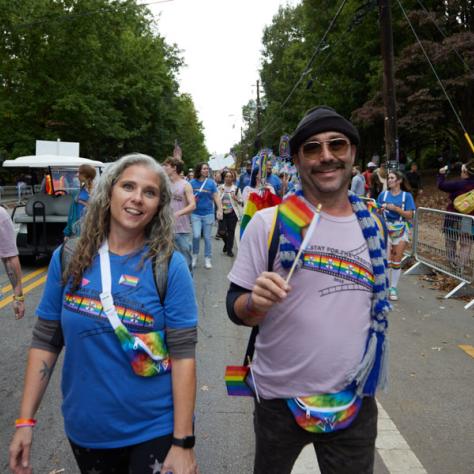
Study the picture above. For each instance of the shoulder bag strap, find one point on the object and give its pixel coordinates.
(108, 301)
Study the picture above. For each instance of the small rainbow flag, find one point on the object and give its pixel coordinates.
(235, 376)
(128, 280)
(255, 203)
(294, 215)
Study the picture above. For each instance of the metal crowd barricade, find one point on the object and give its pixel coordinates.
(443, 241)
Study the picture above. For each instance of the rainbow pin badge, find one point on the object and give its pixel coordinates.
(128, 280)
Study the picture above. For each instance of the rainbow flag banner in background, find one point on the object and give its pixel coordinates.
(256, 202)
(235, 376)
(293, 216)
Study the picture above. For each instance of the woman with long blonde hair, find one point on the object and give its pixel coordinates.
(129, 375)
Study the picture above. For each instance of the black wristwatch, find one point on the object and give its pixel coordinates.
(186, 443)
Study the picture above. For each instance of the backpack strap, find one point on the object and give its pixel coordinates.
(160, 274)
(272, 244)
(67, 251)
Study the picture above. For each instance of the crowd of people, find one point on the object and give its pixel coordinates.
(119, 299)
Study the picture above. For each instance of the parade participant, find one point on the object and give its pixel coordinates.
(244, 178)
(414, 180)
(129, 375)
(86, 175)
(255, 186)
(358, 181)
(202, 218)
(182, 203)
(378, 181)
(321, 337)
(229, 195)
(367, 174)
(455, 227)
(273, 179)
(398, 208)
(9, 256)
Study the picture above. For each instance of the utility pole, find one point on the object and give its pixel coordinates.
(390, 122)
(258, 139)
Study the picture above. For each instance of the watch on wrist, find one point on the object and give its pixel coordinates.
(186, 442)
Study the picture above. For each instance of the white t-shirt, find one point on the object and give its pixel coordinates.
(312, 342)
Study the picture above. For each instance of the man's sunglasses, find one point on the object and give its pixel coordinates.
(337, 146)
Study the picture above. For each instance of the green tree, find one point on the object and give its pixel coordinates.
(93, 71)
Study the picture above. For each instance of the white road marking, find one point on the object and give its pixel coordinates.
(391, 446)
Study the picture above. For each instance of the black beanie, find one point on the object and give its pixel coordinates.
(322, 119)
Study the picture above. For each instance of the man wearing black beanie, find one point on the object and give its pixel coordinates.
(320, 350)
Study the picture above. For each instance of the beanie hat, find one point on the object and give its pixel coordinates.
(322, 119)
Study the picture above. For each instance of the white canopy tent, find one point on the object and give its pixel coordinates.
(53, 161)
(217, 162)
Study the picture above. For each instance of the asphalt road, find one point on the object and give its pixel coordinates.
(430, 398)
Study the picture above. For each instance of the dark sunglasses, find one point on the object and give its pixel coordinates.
(337, 146)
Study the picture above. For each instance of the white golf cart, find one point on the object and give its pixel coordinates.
(45, 213)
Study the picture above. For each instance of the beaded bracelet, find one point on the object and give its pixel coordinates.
(21, 422)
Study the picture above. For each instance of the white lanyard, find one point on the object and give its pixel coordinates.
(108, 301)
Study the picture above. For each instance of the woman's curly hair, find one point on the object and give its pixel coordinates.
(159, 233)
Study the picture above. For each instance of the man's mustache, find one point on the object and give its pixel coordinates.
(332, 165)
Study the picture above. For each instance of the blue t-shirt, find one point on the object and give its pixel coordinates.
(105, 404)
(204, 198)
(275, 181)
(389, 198)
(244, 180)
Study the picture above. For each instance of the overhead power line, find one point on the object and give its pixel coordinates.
(454, 50)
(466, 134)
(307, 69)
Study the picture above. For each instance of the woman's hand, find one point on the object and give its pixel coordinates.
(219, 215)
(20, 451)
(180, 461)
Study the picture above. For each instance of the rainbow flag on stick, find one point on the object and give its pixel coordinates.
(235, 376)
(294, 216)
(256, 202)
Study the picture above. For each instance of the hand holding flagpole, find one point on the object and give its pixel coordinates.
(306, 239)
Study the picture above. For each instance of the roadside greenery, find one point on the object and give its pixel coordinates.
(92, 71)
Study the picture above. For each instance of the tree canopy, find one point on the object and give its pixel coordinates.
(306, 63)
(92, 71)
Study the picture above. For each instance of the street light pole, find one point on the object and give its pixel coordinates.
(390, 122)
(258, 139)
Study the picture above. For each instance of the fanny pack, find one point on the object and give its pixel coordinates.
(147, 353)
(396, 229)
(326, 413)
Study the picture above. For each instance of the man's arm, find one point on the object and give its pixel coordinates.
(188, 193)
(13, 270)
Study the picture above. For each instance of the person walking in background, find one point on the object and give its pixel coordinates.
(367, 174)
(182, 203)
(358, 181)
(129, 373)
(414, 180)
(229, 195)
(202, 218)
(379, 181)
(272, 178)
(244, 178)
(457, 228)
(398, 208)
(316, 379)
(86, 175)
(11, 262)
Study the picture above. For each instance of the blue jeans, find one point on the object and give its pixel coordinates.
(203, 223)
(183, 245)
